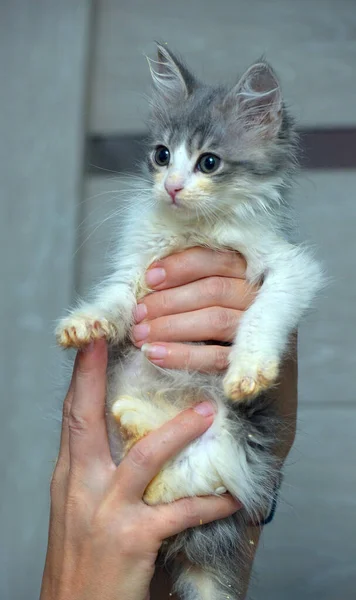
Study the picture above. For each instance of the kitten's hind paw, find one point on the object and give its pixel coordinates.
(244, 384)
(79, 329)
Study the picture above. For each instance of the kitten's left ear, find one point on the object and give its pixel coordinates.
(170, 77)
(258, 99)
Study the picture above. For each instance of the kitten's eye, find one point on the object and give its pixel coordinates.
(162, 156)
(208, 163)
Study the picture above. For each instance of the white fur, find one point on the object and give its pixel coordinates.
(291, 278)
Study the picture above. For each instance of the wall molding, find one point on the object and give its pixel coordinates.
(320, 148)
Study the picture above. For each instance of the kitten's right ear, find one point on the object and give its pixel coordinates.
(171, 79)
(258, 98)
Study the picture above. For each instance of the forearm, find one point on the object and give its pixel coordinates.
(286, 398)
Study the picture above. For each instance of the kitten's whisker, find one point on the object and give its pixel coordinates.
(91, 234)
(107, 200)
(114, 214)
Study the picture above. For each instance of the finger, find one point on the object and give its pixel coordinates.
(88, 439)
(213, 323)
(60, 474)
(192, 264)
(63, 455)
(205, 359)
(192, 512)
(227, 292)
(149, 455)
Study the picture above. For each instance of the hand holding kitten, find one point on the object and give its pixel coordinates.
(199, 294)
(103, 539)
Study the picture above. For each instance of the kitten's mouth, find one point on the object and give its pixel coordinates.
(175, 202)
(177, 205)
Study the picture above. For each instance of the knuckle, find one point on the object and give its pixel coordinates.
(77, 424)
(66, 408)
(140, 456)
(57, 482)
(189, 356)
(189, 510)
(73, 502)
(182, 260)
(163, 328)
(228, 259)
(215, 288)
(79, 496)
(234, 262)
(163, 303)
(221, 359)
(220, 321)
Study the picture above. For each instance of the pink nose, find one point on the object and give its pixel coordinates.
(173, 189)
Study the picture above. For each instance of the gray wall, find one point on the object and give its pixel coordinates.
(68, 69)
(44, 50)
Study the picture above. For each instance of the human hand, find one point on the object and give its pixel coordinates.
(103, 540)
(200, 295)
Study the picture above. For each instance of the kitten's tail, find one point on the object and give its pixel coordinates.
(212, 561)
(198, 583)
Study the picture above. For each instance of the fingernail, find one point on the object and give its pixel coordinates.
(140, 312)
(205, 409)
(155, 276)
(152, 351)
(140, 332)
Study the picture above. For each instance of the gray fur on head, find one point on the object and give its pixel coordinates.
(246, 125)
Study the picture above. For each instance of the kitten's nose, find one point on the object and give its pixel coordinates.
(173, 187)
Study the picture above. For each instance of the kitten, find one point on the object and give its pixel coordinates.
(219, 163)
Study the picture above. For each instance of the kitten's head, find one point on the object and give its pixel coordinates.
(214, 148)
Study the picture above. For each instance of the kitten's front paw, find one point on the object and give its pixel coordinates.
(247, 379)
(79, 329)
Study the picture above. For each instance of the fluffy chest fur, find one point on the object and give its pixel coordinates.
(150, 236)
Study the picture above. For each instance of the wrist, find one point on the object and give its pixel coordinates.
(120, 577)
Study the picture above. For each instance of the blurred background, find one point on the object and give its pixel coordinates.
(72, 110)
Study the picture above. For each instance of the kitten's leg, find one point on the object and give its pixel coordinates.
(291, 280)
(136, 418)
(110, 313)
(84, 326)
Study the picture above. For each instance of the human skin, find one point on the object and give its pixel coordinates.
(201, 291)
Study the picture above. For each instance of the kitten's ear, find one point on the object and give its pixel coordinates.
(258, 99)
(171, 78)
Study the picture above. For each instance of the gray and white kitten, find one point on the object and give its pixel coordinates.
(219, 162)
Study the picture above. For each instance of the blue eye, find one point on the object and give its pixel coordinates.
(208, 163)
(162, 156)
